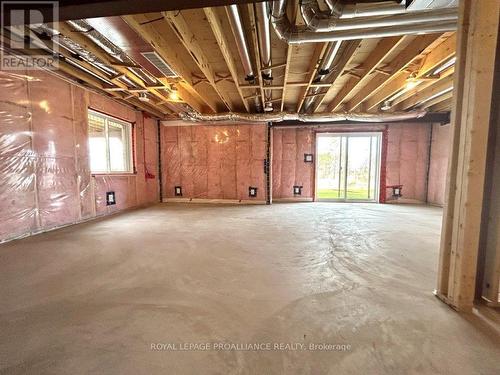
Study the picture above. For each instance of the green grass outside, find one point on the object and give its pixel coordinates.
(351, 194)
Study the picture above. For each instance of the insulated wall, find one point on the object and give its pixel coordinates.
(440, 148)
(213, 162)
(45, 179)
(408, 159)
(289, 167)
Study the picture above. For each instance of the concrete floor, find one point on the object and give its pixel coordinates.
(92, 298)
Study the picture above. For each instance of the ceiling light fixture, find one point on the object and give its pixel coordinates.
(173, 95)
(143, 97)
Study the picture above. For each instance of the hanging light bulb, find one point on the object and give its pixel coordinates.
(173, 95)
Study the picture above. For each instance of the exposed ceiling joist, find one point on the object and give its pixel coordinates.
(380, 52)
(441, 86)
(149, 32)
(190, 42)
(319, 51)
(430, 62)
(81, 9)
(216, 26)
(379, 80)
(88, 45)
(345, 59)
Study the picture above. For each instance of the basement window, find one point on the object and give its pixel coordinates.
(110, 144)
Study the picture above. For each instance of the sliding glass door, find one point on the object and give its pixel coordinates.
(348, 166)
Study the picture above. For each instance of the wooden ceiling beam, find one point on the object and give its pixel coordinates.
(216, 26)
(436, 56)
(397, 65)
(345, 59)
(255, 42)
(380, 52)
(189, 40)
(421, 86)
(149, 32)
(90, 46)
(289, 51)
(319, 51)
(428, 92)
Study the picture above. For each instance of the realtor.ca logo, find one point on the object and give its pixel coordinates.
(20, 47)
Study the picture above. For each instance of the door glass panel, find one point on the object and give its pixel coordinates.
(329, 178)
(348, 166)
(358, 165)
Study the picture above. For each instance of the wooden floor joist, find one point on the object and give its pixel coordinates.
(380, 52)
(379, 80)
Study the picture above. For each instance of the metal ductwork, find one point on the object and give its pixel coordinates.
(242, 46)
(317, 20)
(248, 118)
(110, 48)
(323, 71)
(383, 8)
(264, 33)
(360, 27)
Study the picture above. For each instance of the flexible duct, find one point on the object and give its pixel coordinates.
(232, 117)
(292, 35)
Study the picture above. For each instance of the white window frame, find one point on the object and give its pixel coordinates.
(130, 152)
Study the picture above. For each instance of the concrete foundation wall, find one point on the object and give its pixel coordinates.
(440, 149)
(45, 179)
(214, 162)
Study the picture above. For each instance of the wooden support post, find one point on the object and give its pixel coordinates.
(472, 107)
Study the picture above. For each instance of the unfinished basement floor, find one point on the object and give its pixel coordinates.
(92, 298)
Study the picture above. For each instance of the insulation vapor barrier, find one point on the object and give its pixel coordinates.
(45, 177)
(214, 162)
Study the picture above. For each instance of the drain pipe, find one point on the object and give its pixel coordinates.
(242, 46)
(292, 35)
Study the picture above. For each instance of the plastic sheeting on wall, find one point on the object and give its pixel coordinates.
(45, 179)
(214, 162)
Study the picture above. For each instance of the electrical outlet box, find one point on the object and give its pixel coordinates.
(110, 198)
(178, 191)
(297, 190)
(308, 158)
(252, 192)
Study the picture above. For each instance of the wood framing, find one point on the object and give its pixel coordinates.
(344, 61)
(380, 52)
(472, 107)
(150, 34)
(190, 42)
(216, 26)
(379, 80)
